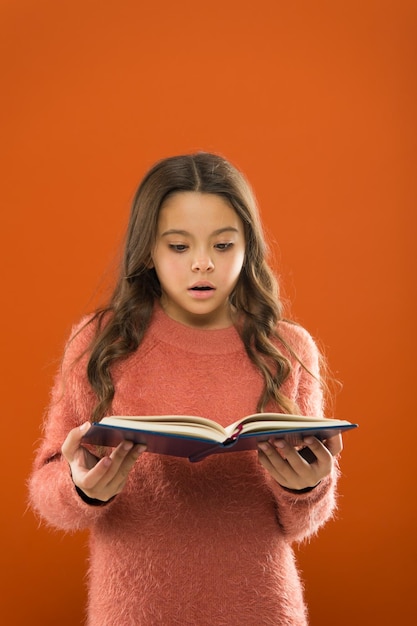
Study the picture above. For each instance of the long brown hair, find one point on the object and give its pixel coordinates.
(122, 324)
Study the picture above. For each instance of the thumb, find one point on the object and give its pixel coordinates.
(73, 441)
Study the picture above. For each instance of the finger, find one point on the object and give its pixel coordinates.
(91, 478)
(125, 467)
(124, 457)
(334, 444)
(319, 449)
(73, 440)
(108, 468)
(293, 455)
(294, 472)
(274, 463)
(267, 465)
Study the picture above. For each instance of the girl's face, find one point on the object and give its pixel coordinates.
(198, 255)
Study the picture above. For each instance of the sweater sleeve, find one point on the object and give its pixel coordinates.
(300, 515)
(52, 493)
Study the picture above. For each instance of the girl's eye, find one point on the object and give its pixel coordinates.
(223, 246)
(178, 247)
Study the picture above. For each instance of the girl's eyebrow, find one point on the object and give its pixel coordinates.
(185, 233)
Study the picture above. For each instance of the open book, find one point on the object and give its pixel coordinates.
(197, 437)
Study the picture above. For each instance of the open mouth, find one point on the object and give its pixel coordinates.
(202, 290)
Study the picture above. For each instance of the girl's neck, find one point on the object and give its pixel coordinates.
(222, 319)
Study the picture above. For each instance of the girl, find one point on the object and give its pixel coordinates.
(193, 327)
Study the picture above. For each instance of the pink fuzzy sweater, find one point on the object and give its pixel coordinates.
(205, 544)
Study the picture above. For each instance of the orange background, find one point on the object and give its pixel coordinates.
(316, 102)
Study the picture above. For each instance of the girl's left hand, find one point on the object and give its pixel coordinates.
(291, 470)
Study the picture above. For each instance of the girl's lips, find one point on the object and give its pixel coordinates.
(201, 291)
(202, 285)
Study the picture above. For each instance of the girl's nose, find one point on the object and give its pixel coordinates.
(202, 264)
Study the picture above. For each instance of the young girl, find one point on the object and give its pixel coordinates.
(194, 328)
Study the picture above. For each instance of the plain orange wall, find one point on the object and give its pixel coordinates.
(316, 102)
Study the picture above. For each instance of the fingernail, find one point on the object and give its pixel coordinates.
(128, 445)
(84, 426)
(140, 449)
(308, 439)
(263, 446)
(279, 443)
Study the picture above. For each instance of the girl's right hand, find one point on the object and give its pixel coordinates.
(99, 479)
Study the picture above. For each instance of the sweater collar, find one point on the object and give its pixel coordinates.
(190, 339)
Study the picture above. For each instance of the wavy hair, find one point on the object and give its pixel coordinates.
(122, 323)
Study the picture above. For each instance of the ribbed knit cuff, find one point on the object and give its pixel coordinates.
(91, 501)
(297, 491)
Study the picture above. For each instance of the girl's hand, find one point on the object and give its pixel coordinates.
(100, 479)
(291, 470)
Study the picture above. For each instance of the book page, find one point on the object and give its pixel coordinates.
(170, 424)
(202, 427)
(260, 422)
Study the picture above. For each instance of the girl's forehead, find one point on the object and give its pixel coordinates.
(195, 211)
